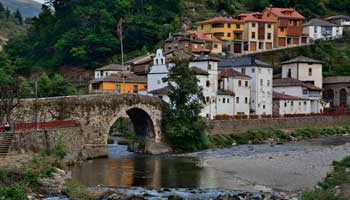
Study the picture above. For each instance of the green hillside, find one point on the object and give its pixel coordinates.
(83, 33)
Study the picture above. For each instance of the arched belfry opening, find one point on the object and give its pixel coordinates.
(142, 123)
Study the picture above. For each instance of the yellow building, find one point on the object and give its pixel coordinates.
(222, 28)
(119, 84)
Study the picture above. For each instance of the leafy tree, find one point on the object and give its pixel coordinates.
(18, 16)
(57, 86)
(184, 127)
(2, 8)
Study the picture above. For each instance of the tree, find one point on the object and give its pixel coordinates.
(18, 16)
(183, 125)
(2, 8)
(9, 99)
(57, 86)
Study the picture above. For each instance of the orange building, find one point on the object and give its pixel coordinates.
(288, 30)
(119, 84)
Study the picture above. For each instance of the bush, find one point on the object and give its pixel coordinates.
(319, 195)
(76, 191)
(14, 192)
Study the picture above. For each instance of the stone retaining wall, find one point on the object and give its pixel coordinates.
(241, 126)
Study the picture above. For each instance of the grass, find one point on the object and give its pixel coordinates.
(76, 191)
(264, 135)
(339, 178)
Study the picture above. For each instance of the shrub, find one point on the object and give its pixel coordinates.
(319, 195)
(12, 192)
(76, 191)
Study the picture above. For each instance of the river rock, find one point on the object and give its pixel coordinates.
(174, 197)
(54, 184)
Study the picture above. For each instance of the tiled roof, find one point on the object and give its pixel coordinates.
(225, 92)
(205, 37)
(118, 78)
(111, 67)
(301, 59)
(232, 73)
(280, 96)
(141, 59)
(162, 91)
(255, 17)
(336, 79)
(339, 17)
(319, 22)
(205, 58)
(243, 62)
(288, 82)
(219, 20)
(199, 71)
(285, 13)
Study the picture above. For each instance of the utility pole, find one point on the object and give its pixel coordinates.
(120, 33)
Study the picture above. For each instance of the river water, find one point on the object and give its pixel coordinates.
(289, 167)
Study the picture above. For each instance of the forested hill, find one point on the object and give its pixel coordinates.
(28, 8)
(83, 32)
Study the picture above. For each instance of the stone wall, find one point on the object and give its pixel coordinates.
(241, 126)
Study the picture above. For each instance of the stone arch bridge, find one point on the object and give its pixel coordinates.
(95, 115)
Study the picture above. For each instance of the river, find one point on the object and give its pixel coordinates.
(290, 168)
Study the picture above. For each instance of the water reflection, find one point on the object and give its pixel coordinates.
(125, 169)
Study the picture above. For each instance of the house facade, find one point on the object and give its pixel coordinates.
(297, 88)
(261, 82)
(337, 91)
(159, 70)
(288, 30)
(303, 69)
(118, 84)
(284, 104)
(318, 29)
(110, 69)
(239, 85)
(223, 28)
(341, 20)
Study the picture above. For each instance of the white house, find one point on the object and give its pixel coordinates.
(109, 70)
(296, 88)
(321, 29)
(284, 104)
(304, 69)
(341, 20)
(206, 69)
(261, 82)
(239, 85)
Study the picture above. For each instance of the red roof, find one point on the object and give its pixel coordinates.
(255, 17)
(285, 13)
(219, 20)
(205, 36)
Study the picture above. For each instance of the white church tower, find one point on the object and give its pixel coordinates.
(159, 71)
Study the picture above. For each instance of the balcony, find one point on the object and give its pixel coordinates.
(294, 31)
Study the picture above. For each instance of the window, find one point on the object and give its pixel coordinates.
(269, 36)
(228, 100)
(285, 104)
(238, 26)
(289, 75)
(261, 82)
(268, 83)
(246, 83)
(237, 99)
(315, 29)
(292, 103)
(264, 106)
(243, 70)
(215, 46)
(223, 100)
(268, 25)
(202, 27)
(305, 91)
(117, 89)
(304, 103)
(207, 99)
(209, 67)
(253, 35)
(208, 83)
(135, 89)
(228, 25)
(246, 100)
(261, 45)
(282, 29)
(239, 83)
(310, 71)
(253, 70)
(253, 25)
(218, 25)
(228, 34)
